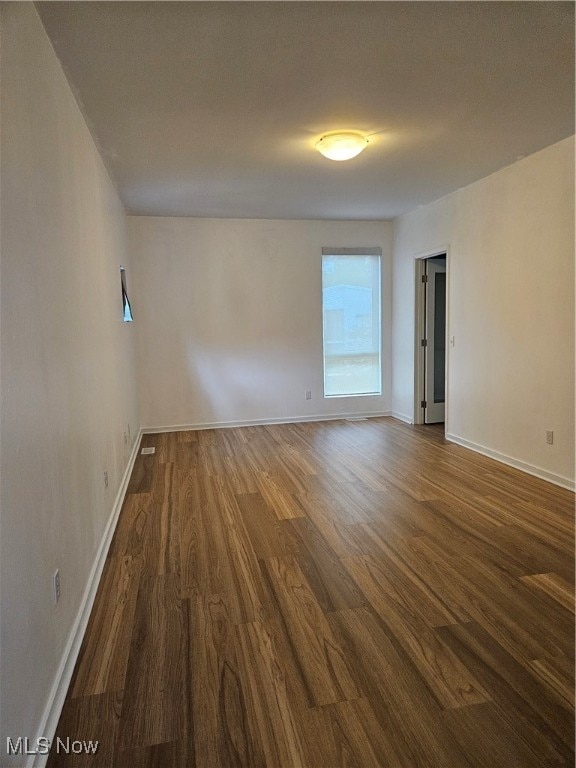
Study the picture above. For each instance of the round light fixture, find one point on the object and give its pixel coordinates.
(341, 146)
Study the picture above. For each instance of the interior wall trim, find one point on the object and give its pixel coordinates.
(55, 702)
(263, 422)
(403, 417)
(531, 469)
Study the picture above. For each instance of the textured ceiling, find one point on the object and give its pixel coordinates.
(213, 108)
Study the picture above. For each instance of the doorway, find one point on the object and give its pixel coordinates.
(431, 313)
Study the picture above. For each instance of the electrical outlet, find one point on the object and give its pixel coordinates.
(308, 394)
(56, 587)
(550, 437)
(105, 479)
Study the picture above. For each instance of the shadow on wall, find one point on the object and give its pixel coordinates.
(228, 386)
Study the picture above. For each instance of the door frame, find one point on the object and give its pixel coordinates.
(419, 320)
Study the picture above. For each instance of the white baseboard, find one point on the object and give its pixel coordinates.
(530, 469)
(57, 696)
(402, 417)
(263, 422)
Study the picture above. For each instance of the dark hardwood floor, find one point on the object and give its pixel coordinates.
(330, 594)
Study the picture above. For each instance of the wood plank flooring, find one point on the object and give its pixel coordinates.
(325, 595)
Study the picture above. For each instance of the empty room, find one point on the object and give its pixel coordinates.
(287, 384)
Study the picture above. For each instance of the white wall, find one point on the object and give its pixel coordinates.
(511, 309)
(229, 318)
(67, 364)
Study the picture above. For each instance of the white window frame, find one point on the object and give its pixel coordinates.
(368, 251)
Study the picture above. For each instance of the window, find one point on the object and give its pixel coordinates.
(351, 321)
(126, 308)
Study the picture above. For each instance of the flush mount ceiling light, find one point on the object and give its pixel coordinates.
(342, 146)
